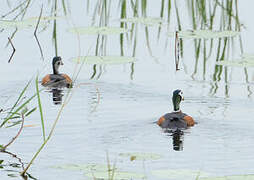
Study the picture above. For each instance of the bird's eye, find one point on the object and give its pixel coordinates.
(59, 63)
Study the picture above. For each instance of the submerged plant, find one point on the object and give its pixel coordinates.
(98, 30)
(205, 34)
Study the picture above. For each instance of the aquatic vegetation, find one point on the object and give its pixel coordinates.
(104, 60)
(1, 162)
(205, 34)
(245, 61)
(100, 171)
(19, 107)
(118, 175)
(180, 174)
(236, 63)
(40, 106)
(98, 30)
(235, 177)
(66, 100)
(16, 115)
(83, 167)
(148, 21)
(26, 23)
(141, 156)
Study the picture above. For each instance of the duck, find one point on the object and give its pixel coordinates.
(56, 80)
(176, 119)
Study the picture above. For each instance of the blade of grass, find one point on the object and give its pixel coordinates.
(122, 24)
(161, 16)
(17, 110)
(178, 17)
(16, 103)
(35, 33)
(40, 107)
(54, 28)
(30, 112)
(144, 7)
(64, 7)
(169, 11)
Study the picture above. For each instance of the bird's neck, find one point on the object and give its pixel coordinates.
(176, 107)
(55, 70)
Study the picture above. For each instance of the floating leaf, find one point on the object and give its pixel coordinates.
(236, 177)
(179, 174)
(141, 156)
(101, 171)
(248, 56)
(149, 21)
(205, 34)
(26, 23)
(236, 63)
(117, 175)
(104, 59)
(247, 60)
(93, 30)
(85, 167)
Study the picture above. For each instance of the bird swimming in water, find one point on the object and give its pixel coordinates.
(176, 119)
(57, 80)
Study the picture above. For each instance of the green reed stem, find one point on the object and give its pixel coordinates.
(178, 17)
(161, 16)
(54, 28)
(64, 7)
(144, 7)
(194, 24)
(122, 24)
(40, 107)
(197, 54)
(169, 10)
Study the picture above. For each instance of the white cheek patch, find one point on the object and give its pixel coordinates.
(181, 94)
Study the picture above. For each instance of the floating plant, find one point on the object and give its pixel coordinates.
(26, 23)
(141, 156)
(148, 21)
(236, 63)
(179, 174)
(84, 167)
(205, 34)
(103, 60)
(247, 60)
(235, 177)
(93, 30)
(117, 175)
(99, 171)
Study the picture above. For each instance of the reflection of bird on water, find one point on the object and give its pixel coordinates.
(176, 119)
(56, 79)
(177, 137)
(57, 96)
